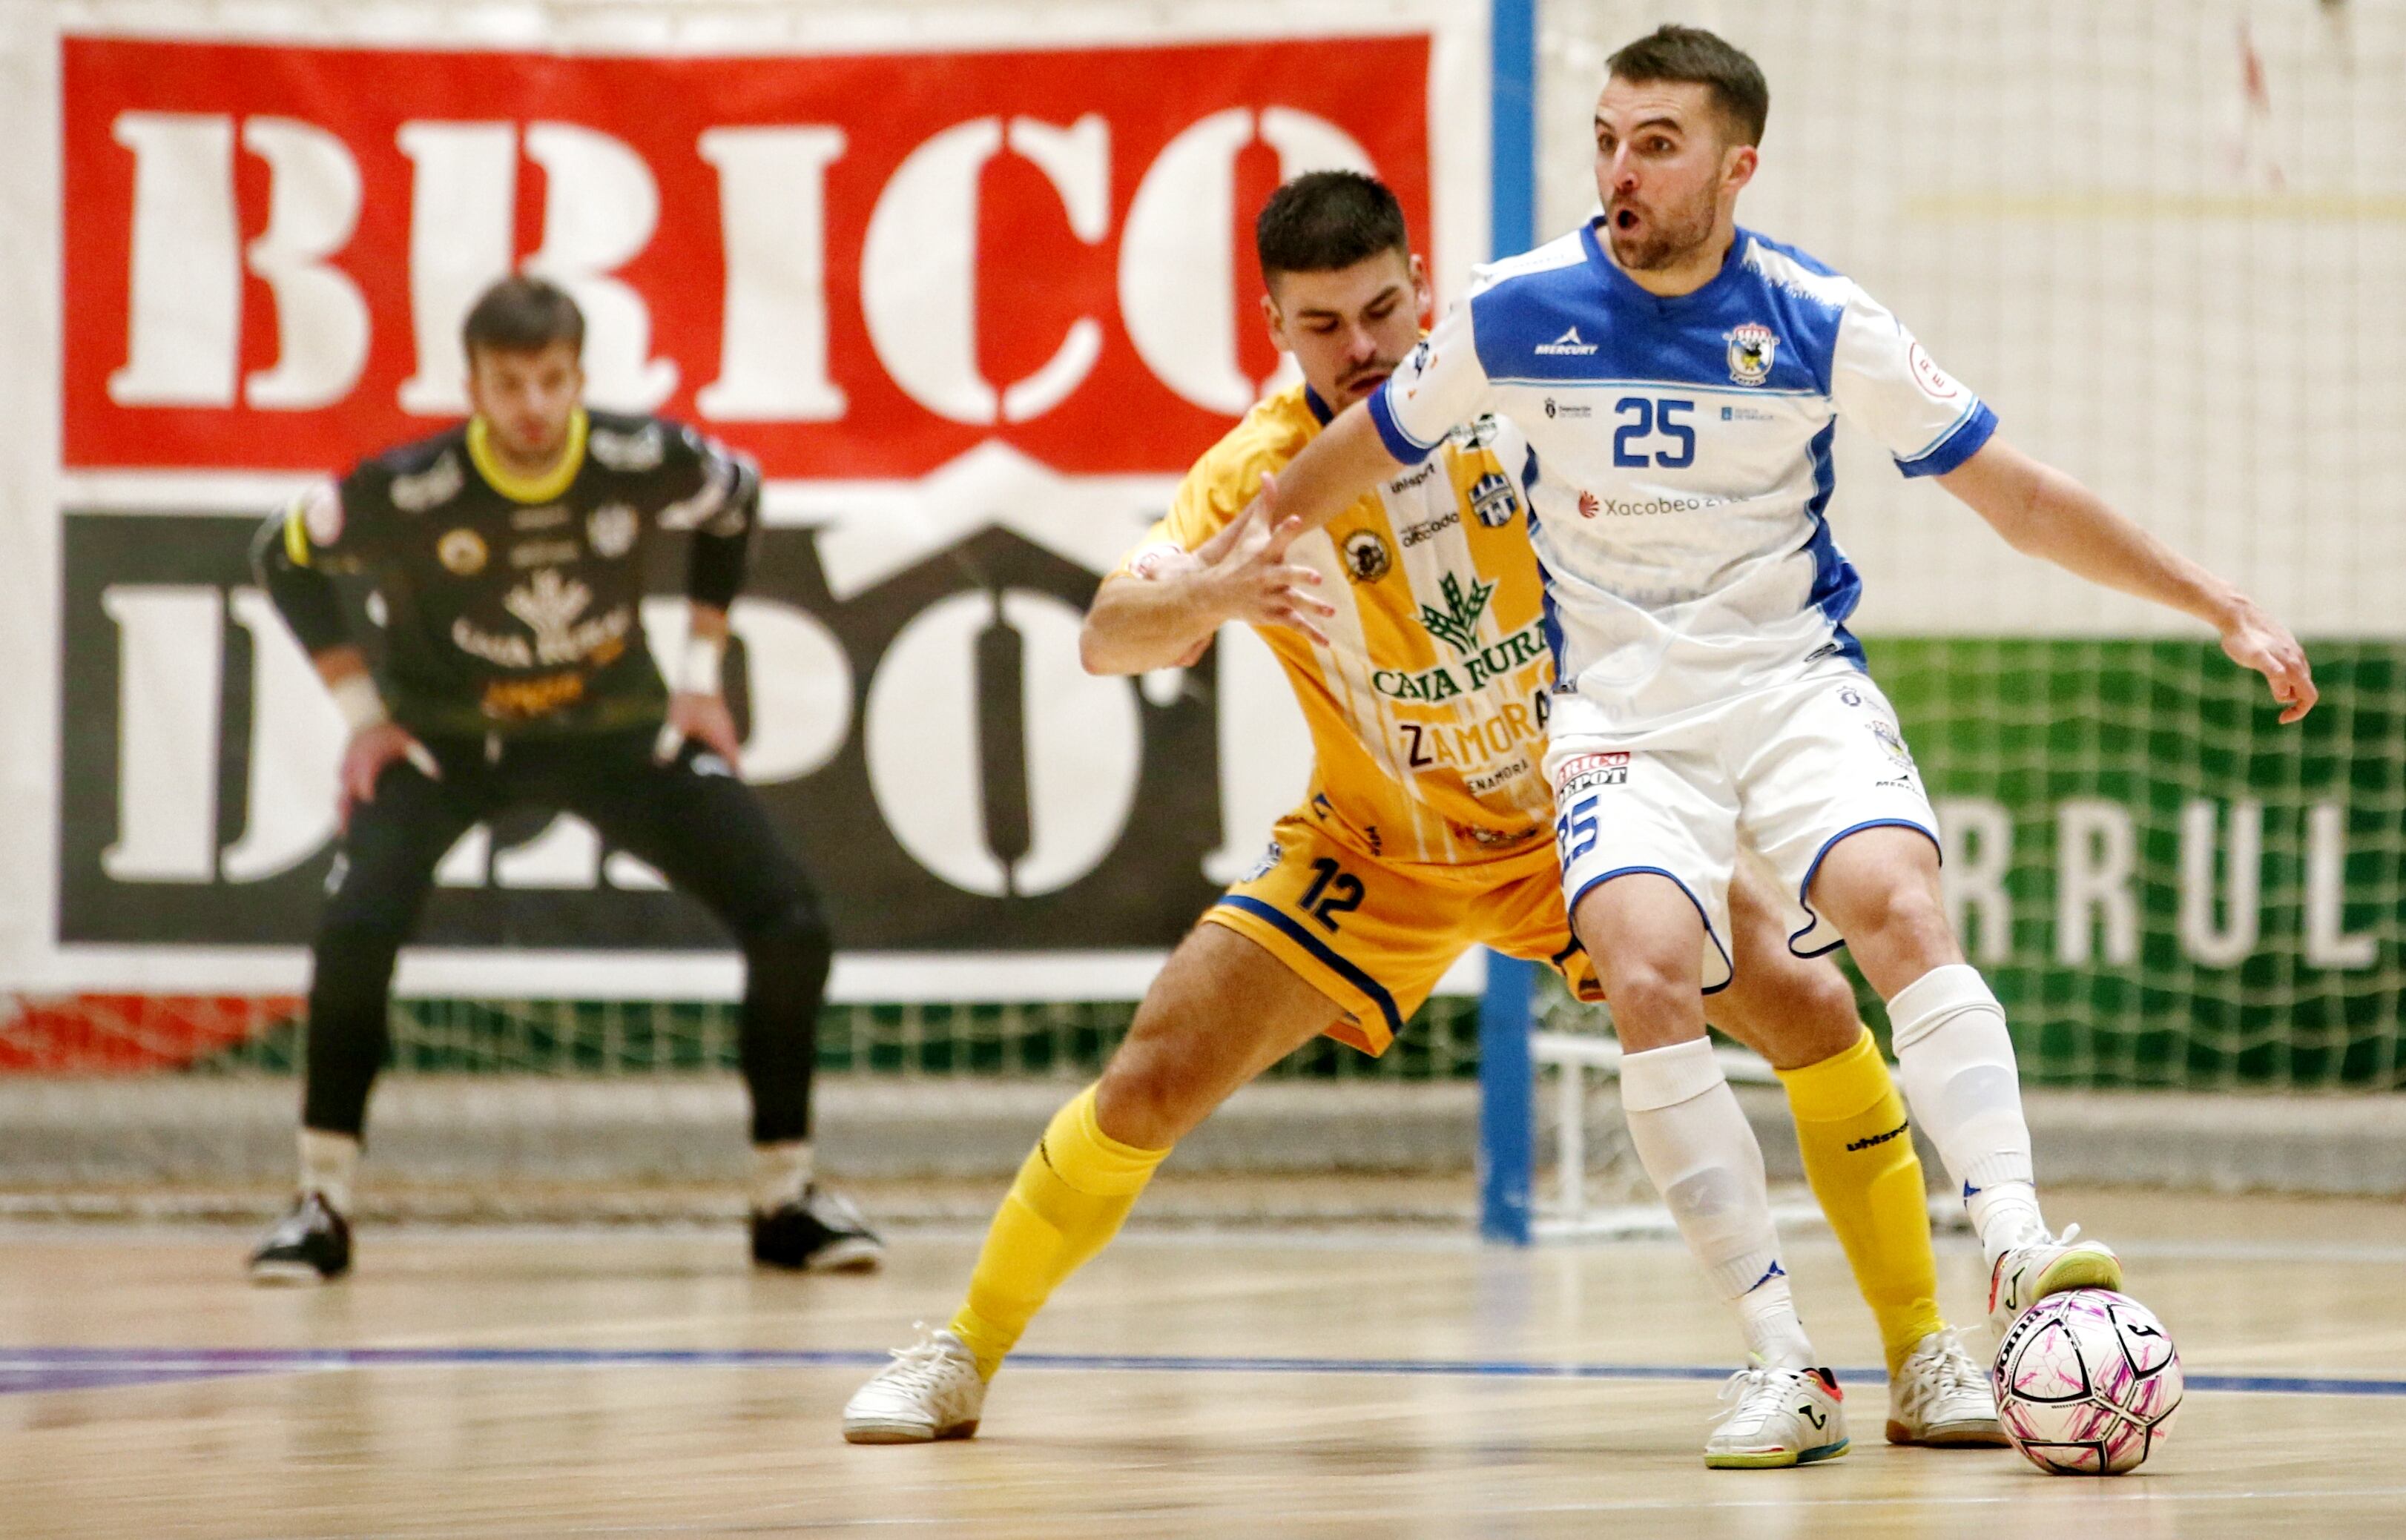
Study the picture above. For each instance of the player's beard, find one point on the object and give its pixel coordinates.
(1665, 237)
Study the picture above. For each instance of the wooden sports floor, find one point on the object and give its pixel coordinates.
(637, 1382)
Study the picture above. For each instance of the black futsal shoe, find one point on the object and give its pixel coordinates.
(820, 1232)
(311, 1243)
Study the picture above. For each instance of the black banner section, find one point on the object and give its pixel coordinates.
(980, 795)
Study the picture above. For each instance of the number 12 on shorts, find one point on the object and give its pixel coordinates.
(1333, 892)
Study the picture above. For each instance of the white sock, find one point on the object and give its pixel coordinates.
(1955, 1060)
(1774, 1334)
(779, 1174)
(328, 1162)
(1700, 1153)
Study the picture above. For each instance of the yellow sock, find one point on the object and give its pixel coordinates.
(1065, 1205)
(1859, 1156)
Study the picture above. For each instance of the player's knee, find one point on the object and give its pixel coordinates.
(1645, 992)
(1821, 1001)
(1151, 1095)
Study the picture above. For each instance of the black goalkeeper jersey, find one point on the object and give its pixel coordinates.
(509, 604)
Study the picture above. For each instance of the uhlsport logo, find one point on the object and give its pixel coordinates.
(1751, 348)
(1568, 342)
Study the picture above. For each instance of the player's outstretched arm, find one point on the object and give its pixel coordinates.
(2044, 513)
(1335, 470)
(1164, 613)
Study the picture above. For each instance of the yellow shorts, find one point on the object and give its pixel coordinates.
(1376, 936)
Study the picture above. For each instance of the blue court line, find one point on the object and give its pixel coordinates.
(61, 1369)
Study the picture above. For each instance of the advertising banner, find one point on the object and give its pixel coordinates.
(972, 306)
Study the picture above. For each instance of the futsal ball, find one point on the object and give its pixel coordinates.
(2087, 1382)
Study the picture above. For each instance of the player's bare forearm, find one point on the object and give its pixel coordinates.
(1334, 470)
(1137, 625)
(2042, 512)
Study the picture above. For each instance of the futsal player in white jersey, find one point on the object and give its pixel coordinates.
(1679, 378)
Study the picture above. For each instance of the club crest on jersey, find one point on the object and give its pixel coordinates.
(612, 528)
(1751, 348)
(1493, 499)
(1893, 742)
(461, 552)
(1268, 864)
(1367, 556)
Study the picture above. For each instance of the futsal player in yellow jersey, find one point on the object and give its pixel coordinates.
(1414, 632)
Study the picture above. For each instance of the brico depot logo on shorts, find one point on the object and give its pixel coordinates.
(857, 266)
(1588, 771)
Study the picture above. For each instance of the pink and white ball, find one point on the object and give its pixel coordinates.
(2086, 1381)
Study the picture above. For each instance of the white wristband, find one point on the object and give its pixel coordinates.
(355, 696)
(698, 670)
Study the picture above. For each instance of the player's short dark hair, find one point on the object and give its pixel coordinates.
(1326, 220)
(1698, 57)
(521, 315)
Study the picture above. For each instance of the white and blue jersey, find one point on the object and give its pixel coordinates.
(1683, 449)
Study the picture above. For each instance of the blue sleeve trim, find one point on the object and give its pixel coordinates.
(1407, 449)
(1958, 444)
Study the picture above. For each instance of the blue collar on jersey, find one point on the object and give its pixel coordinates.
(1732, 261)
(1320, 412)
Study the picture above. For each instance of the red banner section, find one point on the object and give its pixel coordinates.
(115, 1034)
(855, 267)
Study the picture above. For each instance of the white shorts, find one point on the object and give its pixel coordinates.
(1787, 772)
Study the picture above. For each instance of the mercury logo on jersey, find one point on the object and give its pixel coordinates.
(1568, 342)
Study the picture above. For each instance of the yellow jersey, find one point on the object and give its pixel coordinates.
(1427, 708)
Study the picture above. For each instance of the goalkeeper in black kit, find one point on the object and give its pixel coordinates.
(506, 560)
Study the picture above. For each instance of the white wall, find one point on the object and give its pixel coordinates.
(2195, 303)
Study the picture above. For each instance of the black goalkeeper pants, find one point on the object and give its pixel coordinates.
(702, 828)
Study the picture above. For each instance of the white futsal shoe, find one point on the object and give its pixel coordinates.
(1942, 1397)
(932, 1391)
(2048, 1265)
(1783, 1417)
